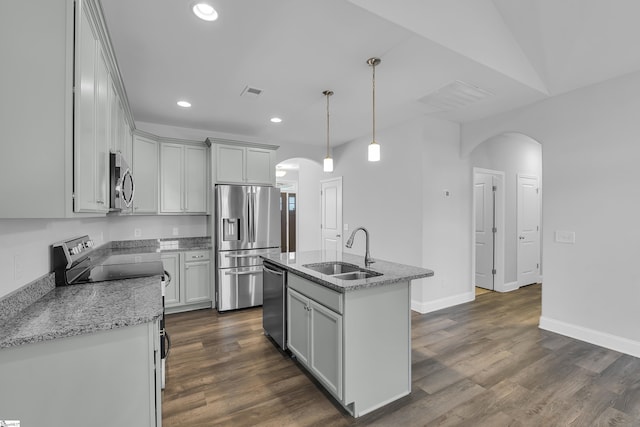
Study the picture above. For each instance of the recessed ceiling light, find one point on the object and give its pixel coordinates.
(276, 119)
(205, 11)
(184, 104)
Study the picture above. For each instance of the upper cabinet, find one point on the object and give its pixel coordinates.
(59, 132)
(243, 163)
(144, 168)
(183, 178)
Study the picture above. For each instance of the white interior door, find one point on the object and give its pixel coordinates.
(528, 230)
(331, 215)
(484, 195)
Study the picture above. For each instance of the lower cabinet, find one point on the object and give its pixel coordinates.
(190, 284)
(315, 337)
(357, 344)
(105, 378)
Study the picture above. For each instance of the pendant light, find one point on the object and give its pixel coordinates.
(328, 161)
(374, 147)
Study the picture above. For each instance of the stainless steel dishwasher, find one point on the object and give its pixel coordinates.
(274, 303)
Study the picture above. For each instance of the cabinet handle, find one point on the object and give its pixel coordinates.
(100, 202)
(197, 256)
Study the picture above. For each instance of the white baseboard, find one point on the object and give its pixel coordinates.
(429, 306)
(603, 339)
(508, 287)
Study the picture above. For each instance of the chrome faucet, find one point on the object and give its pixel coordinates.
(367, 257)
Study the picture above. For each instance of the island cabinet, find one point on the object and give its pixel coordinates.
(183, 179)
(243, 163)
(357, 344)
(105, 378)
(189, 287)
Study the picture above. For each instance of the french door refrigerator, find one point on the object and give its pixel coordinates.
(247, 224)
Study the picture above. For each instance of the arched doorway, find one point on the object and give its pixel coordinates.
(507, 195)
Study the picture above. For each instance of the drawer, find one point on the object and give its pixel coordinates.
(325, 296)
(196, 256)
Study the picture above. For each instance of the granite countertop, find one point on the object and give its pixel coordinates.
(391, 272)
(82, 309)
(40, 311)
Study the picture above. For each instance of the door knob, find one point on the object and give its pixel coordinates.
(337, 235)
(521, 237)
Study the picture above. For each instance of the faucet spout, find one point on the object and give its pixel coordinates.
(367, 256)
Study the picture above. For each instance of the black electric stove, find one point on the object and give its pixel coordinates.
(75, 262)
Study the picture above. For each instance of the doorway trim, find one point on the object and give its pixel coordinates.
(499, 260)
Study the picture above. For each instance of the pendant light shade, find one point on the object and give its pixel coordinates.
(328, 161)
(373, 154)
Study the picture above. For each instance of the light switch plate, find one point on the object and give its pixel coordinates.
(565, 237)
(346, 227)
(137, 232)
(176, 231)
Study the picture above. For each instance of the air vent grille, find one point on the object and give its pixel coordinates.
(457, 94)
(251, 91)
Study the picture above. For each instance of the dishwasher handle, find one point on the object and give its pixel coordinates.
(278, 272)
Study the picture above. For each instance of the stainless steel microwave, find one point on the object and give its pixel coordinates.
(121, 187)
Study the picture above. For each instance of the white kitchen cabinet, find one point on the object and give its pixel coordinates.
(91, 126)
(315, 337)
(190, 287)
(105, 378)
(144, 169)
(61, 116)
(171, 264)
(183, 178)
(197, 278)
(243, 163)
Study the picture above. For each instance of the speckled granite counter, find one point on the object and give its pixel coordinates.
(39, 311)
(83, 309)
(391, 272)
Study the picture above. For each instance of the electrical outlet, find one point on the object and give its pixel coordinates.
(137, 232)
(17, 267)
(176, 231)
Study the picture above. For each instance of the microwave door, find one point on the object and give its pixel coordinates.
(265, 205)
(232, 218)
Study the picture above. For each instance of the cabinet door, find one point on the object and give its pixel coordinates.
(171, 178)
(102, 133)
(85, 126)
(197, 281)
(145, 175)
(259, 166)
(298, 325)
(172, 290)
(326, 347)
(230, 163)
(195, 179)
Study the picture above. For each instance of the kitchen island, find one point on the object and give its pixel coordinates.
(353, 336)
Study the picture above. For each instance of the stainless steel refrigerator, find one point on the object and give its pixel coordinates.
(247, 224)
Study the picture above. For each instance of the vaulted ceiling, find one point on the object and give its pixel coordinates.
(513, 52)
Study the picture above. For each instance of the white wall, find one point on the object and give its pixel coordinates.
(590, 164)
(513, 154)
(399, 200)
(309, 176)
(157, 226)
(30, 240)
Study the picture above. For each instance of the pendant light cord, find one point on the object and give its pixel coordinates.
(374, 102)
(328, 94)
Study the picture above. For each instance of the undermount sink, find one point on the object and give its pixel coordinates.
(357, 275)
(342, 270)
(331, 268)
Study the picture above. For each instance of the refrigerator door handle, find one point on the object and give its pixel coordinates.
(242, 273)
(242, 256)
(252, 199)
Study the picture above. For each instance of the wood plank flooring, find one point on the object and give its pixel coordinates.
(484, 363)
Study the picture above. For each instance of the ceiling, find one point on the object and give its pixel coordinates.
(518, 52)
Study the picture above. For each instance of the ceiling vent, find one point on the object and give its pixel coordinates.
(457, 94)
(251, 92)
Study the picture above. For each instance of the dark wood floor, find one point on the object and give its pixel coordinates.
(484, 363)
